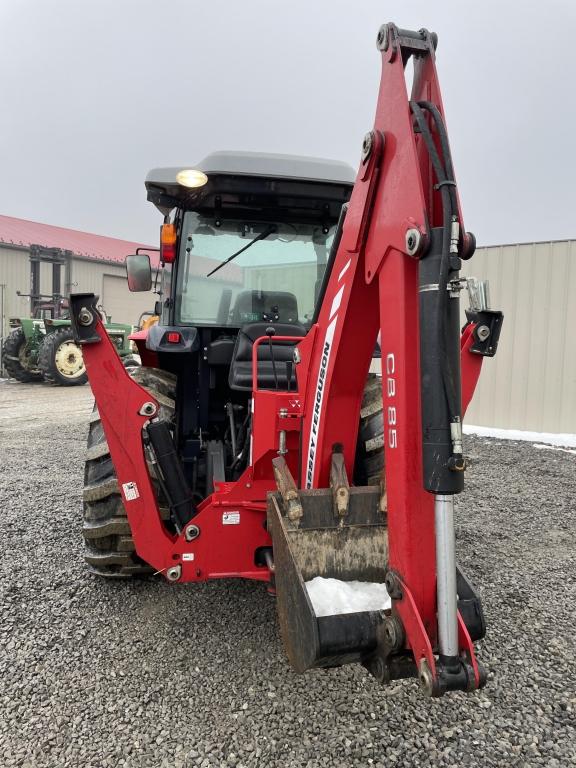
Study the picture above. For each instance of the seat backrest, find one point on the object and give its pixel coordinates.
(268, 306)
(241, 367)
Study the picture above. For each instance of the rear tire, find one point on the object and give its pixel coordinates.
(369, 465)
(131, 361)
(60, 359)
(109, 546)
(15, 358)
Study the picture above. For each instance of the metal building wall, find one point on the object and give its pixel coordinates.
(117, 300)
(14, 276)
(87, 277)
(531, 383)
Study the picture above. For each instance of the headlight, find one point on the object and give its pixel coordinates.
(191, 178)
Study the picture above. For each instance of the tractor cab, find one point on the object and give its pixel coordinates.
(249, 237)
(246, 251)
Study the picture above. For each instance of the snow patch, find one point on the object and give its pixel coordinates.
(332, 596)
(552, 448)
(552, 438)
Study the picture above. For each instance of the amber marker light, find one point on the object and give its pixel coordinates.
(168, 243)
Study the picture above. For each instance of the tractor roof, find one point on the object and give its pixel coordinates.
(238, 172)
(262, 164)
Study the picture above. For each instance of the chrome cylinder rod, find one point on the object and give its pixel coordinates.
(446, 575)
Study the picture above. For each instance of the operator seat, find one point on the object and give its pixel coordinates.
(240, 376)
(266, 309)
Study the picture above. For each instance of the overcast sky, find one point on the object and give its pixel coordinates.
(94, 93)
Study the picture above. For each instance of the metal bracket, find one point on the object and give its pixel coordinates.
(470, 606)
(455, 286)
(84, 315)
(488, 324)
(407, 40)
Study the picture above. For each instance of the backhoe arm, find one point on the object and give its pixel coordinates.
(396, 270)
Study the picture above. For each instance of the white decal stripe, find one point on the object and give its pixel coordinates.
(336, 302)
(317, 412)
(345, 269)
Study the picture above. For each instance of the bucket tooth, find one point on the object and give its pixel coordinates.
(287, 489)
(339, 482)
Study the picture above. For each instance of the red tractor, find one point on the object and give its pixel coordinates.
(254, 442)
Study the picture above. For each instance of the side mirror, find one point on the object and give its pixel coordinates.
(139, 272)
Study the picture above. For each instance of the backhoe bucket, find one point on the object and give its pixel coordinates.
(321, 541)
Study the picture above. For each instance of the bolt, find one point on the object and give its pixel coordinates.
(413, 240)
(282, 450)
(394, 632)
(85, 317)
(382, 38)
(367, 145)
(148, 409)
(483, 332)
(393, 585)
(426, 679)
(174, 572)
(191, 532)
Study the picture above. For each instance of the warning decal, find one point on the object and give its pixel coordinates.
(130, 491)
(231, 518)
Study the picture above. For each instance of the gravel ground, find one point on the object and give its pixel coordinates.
(147, 674)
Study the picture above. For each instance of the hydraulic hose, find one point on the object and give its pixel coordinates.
(443, 170)
(439, 359)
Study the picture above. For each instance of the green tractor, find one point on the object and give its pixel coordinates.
(43, 347)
